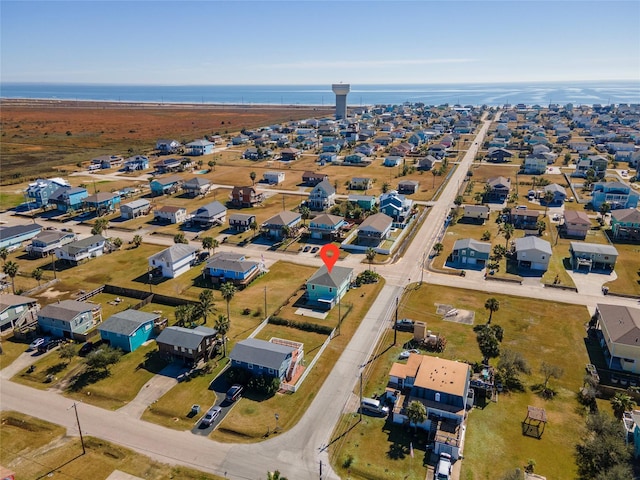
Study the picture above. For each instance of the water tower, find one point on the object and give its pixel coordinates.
(341, 90)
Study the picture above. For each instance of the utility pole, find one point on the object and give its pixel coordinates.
(75, 408)
(265, 302)
(283, 202)
(320, 469)
(395, 325)
(53, 263)
(360, 409)
(424, 255)
(339, 315)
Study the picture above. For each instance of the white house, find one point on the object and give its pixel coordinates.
(76, 252)
(273, 178)
(171, 214)
(174, 261)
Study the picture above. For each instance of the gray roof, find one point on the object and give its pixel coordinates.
(325, 186)
(127, 322)
(101, 197)
(168, 180)
(283, 218)
(210, 210)
(476, 208)
(499, 182)
(483, 247)
(241, 217)
(50, 236)
(626, 215)
(185, 337)
(261, 352)
(379, 222)
(532, 243)
(327, 219)
(231, 265)
(66, 310)
(583, 247)
(622, 323)
(17, 230)
(174, 253)
(335, 279)
(554, 187)
(196, 182)
(81, 245)
(9, 300)
(140, 203)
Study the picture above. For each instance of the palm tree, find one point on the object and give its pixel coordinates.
(222, 326)
(37, 274)
(507, 230)
(254, 227)
(385, 187)
(434, 172)
(371, 255)
(478, 197)
(207, 243)
(4, 253)
(137, 240)
(212, 164)
(547, 199)
(252, 176)
(100, 226)
(305, 213)
(438, 247)
(11, 268)
(228, 290)
(541, 226)
(416, 412)
(621, 402)
(184, 314)
(493, 305)
(286, 231)
(206, 305)
(275, 476)
(180, 238)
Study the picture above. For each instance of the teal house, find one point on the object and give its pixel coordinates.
(128, 330)
(325, 288)
(365, 202)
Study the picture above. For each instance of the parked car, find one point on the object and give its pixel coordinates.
(37, 342)
(443, 469)
(315, 249)
(307, 248)
(51, 344)
(234, 393)
(373, 406)
(86, 348)
(210, 416)
(405, 325)
(404, 355)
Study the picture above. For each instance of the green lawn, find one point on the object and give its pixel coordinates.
(627, 269)
(50, 364)
(11, 349)
(494, 443)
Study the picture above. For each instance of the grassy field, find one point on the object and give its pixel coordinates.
(494, 442)
(627, 269)
(34, 448)
(11, 349)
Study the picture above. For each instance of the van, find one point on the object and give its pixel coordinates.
(374, 406)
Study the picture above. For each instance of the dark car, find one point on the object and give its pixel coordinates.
(234, 393)
(50, 345)
(405, 325)
(86, 349)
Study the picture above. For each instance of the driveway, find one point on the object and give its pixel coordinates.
(591, 283)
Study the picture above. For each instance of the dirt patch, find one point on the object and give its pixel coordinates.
(52, 293)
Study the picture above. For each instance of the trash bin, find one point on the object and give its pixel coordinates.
(195, 409)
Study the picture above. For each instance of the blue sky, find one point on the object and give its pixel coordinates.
(314, 42)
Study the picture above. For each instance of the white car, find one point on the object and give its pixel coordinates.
(404, 355)
(37, 342)
(443, 469)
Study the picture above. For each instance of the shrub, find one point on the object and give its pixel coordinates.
(237, 375)
(304, 326)
(264, 384)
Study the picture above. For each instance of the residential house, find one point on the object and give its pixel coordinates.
(360, 183)
(356, 158)
(196, 186)
(408, 187)
(200, 147)
(245, 197)
(468, 252)
(170, 214)
(325, 288)
(68, 199)
(47, 241)
(326, 226)
(365, 202)
(173, 261)
(226, 267)
(135, 209)
(532, 253)
(240, 140)
(366, 149)
(559, 194)
(438, 151)
(579, 146)
(620, 330)
(276, 358)
(190, 345)
(108, 161)
(625, 225)
(374, 229)
(16, 311)
(499, 188)
(576, 224)
(427, 163)
(392, 161)
(535, 164)
(617, 194)
(102, 202)
(213, 213)
(475, 213)
(70, 319)
(597, 163)
(524, 218)
(327, 157)
(241, 222)
(442, 386)
(128, 330)
(273, 178)
(395, 205)
(275, 226)
(80, 250)
(322, 197)
(592, 256)
(165, 185)
(137, 162)
(167, 147)
(39, 192)
(497, 154)
(312, 179)
(12, 237)
(289, 154)
(168, 165)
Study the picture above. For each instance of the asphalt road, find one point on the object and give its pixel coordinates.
(299, 452)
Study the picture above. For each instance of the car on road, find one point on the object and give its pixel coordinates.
(404, 355)
(37, 342)
(50, 344)
(405, 325)
(210, 416)
(234, 393)
(307, 248)
(443, 469)
(314, 249)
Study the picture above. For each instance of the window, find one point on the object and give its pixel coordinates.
(472, 253)
(437, 396)
(190, 350)
(271, 370)
(250, 366)
(175, 347)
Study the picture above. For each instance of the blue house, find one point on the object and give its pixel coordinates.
(200, 147)
(12, 237)
(70, 319)
(325, 288)
(102, 202)
(395, 205)
(392, 161)
(16, 310)
(616, 194)
(327, 157)
(39, 192)
(326, 226)
(468, 252)
(230, 267)
(137, 162)
(128, 330)
(165, 186)
(68, 199)
(275, 359)
(365, 202)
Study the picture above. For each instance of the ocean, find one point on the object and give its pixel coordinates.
(493, 94)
